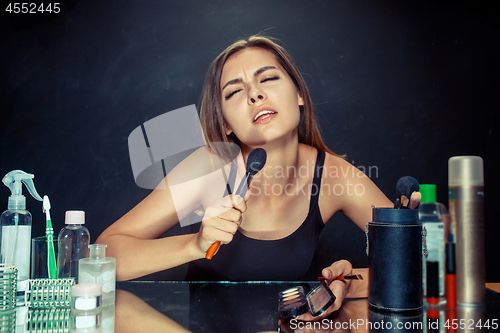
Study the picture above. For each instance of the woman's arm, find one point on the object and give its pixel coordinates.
(133, 239)
(350, 191)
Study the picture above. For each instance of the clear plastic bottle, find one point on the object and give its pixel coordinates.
(433, 215)
(98, 268)
(71, 252)
(15, 228)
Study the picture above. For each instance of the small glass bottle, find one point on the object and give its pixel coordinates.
(98, 268)
(77, 248)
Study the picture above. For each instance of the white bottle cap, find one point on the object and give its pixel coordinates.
(86, 289)
(465, 170)
(75, 217)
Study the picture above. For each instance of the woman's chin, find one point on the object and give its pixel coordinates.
(270, 139)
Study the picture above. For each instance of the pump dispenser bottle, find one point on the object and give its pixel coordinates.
(77, 248)
(15, 230)
(98, 268)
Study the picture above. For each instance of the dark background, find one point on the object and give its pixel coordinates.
(399, 86)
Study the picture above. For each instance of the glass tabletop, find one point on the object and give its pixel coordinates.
(253, 307)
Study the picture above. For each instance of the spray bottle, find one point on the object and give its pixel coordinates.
(15, 230)
(466, 201)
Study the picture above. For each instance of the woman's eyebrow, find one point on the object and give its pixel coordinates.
(256, 73)
(263, 69)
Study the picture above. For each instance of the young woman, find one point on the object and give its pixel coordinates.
(254, 96)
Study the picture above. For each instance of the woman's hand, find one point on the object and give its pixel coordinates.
(341, 289)
(221, 221)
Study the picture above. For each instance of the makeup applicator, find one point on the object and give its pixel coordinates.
(255, 162)
(407, 193)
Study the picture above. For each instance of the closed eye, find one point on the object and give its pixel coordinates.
(231, 94)
(272, 78)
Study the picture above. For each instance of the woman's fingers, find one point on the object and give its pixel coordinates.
(338, 287)
(228, 203)
(221, 221)
(341, 267)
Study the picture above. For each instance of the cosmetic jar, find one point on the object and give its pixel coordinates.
(86, 296)
(86, 321)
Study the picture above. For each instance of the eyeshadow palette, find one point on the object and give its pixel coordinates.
(294, 301)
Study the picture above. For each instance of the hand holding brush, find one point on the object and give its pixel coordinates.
(345, 277)
(255, 162)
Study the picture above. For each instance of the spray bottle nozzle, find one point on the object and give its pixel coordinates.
(14, 180)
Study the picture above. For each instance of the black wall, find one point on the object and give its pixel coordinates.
(398, 85)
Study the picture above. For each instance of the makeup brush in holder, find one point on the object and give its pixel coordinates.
(407, 193)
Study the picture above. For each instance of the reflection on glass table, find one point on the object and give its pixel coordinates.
(253, 307)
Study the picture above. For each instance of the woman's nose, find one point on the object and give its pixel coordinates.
(256, 95)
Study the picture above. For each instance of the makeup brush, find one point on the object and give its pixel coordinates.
(404, 201)
(255, 162)
(345, 277)
(415, 200)
(405, 187)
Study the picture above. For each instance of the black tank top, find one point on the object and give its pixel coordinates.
(267, 260)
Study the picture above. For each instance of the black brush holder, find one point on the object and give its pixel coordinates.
(394, 248)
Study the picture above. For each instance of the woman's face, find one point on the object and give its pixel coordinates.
(260, 103)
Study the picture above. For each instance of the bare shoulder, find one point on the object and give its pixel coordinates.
(348, 189)
(307, 153)
(338, 171)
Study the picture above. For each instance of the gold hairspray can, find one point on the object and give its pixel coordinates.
(466, 205)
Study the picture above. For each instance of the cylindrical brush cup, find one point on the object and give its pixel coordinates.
(394, 248)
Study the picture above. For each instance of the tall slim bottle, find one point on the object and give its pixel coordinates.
(98, 268)
(430, 215)
(466, 203)
(76, 248)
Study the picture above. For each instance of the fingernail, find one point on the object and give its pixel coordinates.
(328, 274)
(299, 317)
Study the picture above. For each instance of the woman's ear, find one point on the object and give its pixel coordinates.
(300, 99)
(228, 129)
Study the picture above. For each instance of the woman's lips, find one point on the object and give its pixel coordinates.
(265, 118)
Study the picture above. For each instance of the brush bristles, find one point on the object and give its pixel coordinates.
(256, 160)
(415, 199)
(404, 201)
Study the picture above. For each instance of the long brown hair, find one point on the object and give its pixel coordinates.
(212, 120)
